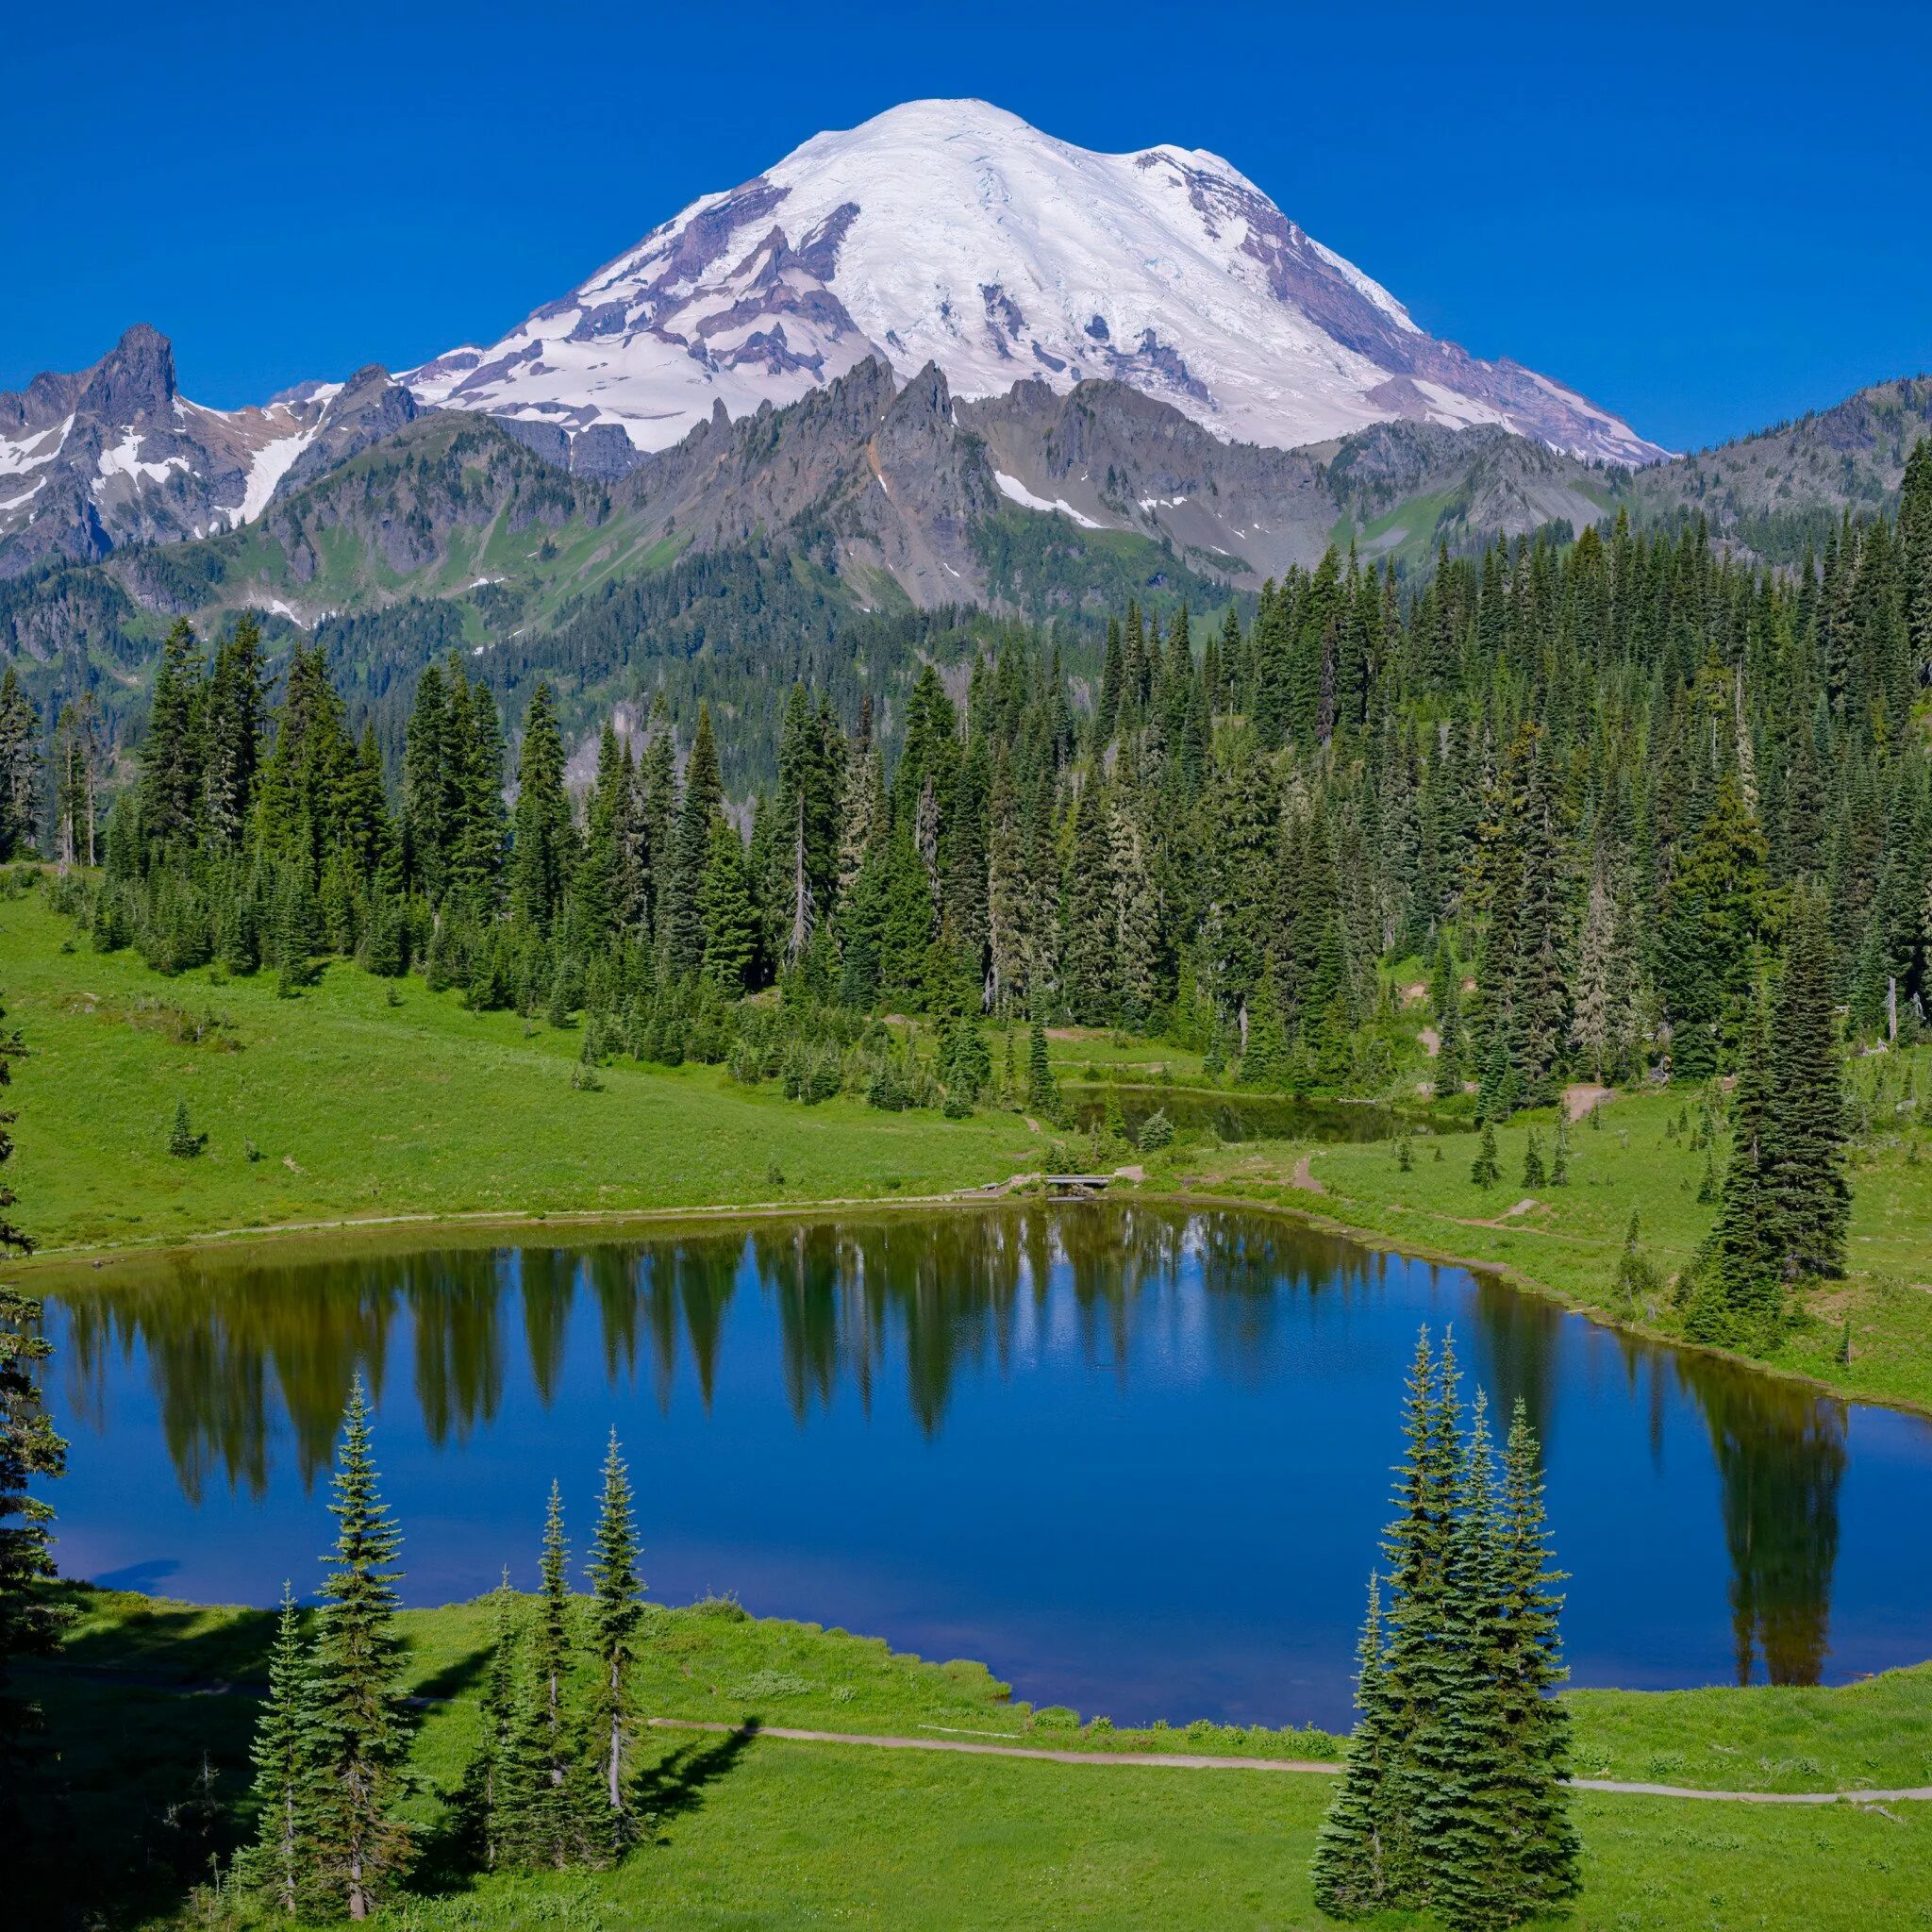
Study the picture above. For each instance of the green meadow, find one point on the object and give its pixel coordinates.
(152, 1705)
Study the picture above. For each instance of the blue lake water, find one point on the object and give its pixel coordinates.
(1136, 1459)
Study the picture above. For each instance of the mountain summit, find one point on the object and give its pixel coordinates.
(953, 233)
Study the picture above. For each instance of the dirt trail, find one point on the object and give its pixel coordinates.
(1584, 1097)
(1304, 1177)
(1178, 1761)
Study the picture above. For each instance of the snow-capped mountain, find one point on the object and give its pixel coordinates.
(952, 232)
(115, 453)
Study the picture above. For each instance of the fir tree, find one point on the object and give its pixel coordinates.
(542, 841)
(704, 795)
(1538, 1839)
(1459, 1794)
(1417, 1672)
(1347, 1870)
(30, 1450)
(1042, 1089)
(730, 917)
(1809, 1199)
(1741, 1290)
(548, 1812)
(616, 1613)
(19, 771)
(278, 1861)
(1484, 1170)
(495, 1805)
(359, 1726)
(1533, 1174)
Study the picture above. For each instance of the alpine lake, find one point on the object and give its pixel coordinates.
(1135, 1457)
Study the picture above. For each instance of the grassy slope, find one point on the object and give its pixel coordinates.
(358, 1108)
(773, 1833)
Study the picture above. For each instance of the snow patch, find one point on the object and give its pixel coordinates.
(1011, 487)
(125, 460)
(36, 447)
(266, 469)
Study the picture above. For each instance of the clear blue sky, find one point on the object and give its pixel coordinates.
(1705, 217)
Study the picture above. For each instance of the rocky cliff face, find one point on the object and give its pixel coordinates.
(115, 455)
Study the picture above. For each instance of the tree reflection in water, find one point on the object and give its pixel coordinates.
(235, 1344)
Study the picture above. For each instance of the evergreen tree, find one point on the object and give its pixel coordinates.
(1533, 1174)
(1486, 1171)
(1042, 1089)
(1458, 1792)
(1809, 1196)
(1347, 1870)
(492, 1797)
(19, 771)
(729, 914)
(542, 841)
(236, 722)
(1418, 1676)
(547, 1826)
(30, 1625)
(170, 757)
(278, 1861)
(76, 783)
(616, 1613)
(1530, 1797)
(359, 1726)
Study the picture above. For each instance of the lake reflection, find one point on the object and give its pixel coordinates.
(1136, 1459)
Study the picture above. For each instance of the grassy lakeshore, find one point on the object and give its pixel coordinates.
(360, 1110)
(1566, 1241)
(769, 1832)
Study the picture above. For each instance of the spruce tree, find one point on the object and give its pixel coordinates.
(19, 771)
(542, 841)
(547, 1801)
(1484, 1170)
(616, 1613)
(278, 1864)
(1042, 1089)
(358, 1727)
(30, 1450)
(704, 794)
(492, 1798)
(1347, 1868)
(1809, 1197)
(1533, 1174)
(1740, 1291)
(1538, 1840)
(1417, 1677)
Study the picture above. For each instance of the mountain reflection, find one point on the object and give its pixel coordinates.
(252, 1358)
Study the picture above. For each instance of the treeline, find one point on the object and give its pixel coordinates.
(1578, 792)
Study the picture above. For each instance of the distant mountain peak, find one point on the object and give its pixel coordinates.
(952, 232)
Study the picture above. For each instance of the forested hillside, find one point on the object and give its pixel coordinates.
(1621, 810)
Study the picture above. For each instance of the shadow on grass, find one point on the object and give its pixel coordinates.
(676, 1784)
(164, 1643)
